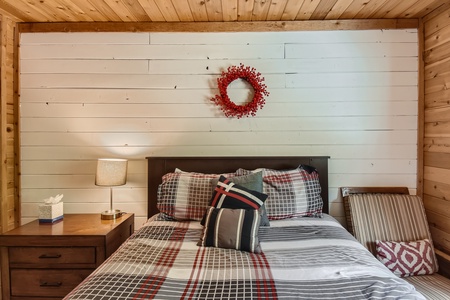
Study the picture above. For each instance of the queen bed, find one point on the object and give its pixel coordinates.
(263, 233)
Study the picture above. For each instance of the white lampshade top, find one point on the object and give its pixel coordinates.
(111, 172)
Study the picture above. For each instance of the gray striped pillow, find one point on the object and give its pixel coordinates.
(232, 229)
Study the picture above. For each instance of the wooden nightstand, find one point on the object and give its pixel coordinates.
(47, 261)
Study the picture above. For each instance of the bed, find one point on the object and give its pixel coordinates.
(302, 253)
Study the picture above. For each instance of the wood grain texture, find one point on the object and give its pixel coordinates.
(221, 11)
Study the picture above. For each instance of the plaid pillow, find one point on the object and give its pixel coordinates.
(185, 195)
(291, 193)
(407, 258)
(231, 229)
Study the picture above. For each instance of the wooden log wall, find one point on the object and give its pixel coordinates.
(436, 170)
(349, 94)
(9, 150)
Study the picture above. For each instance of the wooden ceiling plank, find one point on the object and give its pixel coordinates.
(445, 6)
(292, 10)
(214, 10)
(353, 9)
(167, 10)
(322, 10)
(152, 10)
(421, 8)
(105, 10)
(370, 9)
(219, 26)
(121, 10)
(38, 7)
(79, 13)
(57, 13)
(276, 10)
(307, 9)
(198, 10)
(183, 10)
(400, 8)
(22, 12)
(135, 8)
(338, 9)
(90, 10)
(384, 9)
(245, 10)
(229, 10)
(260, 10)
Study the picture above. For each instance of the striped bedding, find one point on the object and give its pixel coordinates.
(303, 258)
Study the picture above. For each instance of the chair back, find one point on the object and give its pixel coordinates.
(386, 217)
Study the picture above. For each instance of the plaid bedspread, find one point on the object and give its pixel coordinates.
(305, 258)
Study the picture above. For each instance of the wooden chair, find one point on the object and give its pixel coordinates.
(391, 214)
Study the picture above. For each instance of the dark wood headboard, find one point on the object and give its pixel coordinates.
(158, 166)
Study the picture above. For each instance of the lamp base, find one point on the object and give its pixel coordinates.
(111, 214)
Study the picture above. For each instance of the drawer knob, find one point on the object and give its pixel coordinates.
(51, 284)
(50, 256)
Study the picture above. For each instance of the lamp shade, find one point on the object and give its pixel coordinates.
(111, 172)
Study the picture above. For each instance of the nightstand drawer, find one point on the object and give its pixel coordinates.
(46, 255)
(49, 283)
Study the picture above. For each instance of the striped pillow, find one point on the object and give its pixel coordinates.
(407, 258)
(185, 195)
(231, 229)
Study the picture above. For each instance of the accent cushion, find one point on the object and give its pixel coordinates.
(231, 229)
(407, 258)
(230, 195)
(291, 193)
(185, 195)
(253, 182)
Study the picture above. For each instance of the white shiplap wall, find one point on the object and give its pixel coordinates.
(351, 95)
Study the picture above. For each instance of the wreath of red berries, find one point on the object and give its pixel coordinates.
(231, 109)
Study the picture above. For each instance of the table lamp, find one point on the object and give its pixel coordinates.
(111, 172)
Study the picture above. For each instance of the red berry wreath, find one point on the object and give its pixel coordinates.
(231, 109)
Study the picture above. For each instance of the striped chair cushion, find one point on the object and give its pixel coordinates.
(433, 287)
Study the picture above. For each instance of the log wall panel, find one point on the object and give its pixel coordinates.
(437, 127)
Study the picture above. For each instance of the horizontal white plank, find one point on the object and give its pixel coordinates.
(207, 51)
(81, 124)
(380, 179)
(351, 50)
(77, 181)
(373, 166)
(132, 81)
(124, 95)
(352, 79)
(214, 67)
(91, 194)
(75, 167)
(323, 37)
(220, 138)
(208, 110)
(111, 38)
(341, 150)
(85, 66)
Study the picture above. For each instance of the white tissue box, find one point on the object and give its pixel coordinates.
(50, 213)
